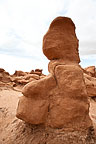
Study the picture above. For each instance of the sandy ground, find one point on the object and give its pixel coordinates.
(8, 103)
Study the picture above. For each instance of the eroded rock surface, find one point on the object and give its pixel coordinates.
(60, 42)
(63, 92)
(91, 70)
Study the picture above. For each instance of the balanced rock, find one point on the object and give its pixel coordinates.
(60, 99)
(29, 109)
(60, 42)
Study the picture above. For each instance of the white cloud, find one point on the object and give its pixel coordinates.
(83, 13)
(11, 63)
(24, 22)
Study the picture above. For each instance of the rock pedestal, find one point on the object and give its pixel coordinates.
(60, 99)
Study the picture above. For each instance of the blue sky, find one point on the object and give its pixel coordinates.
(23, 24)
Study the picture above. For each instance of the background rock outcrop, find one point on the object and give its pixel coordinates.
(4, 76)
(19, 78)
(91, 71)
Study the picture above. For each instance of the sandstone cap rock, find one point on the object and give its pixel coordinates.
(60, 42)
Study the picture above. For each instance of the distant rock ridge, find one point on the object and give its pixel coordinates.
(4, 76)
(19, 78)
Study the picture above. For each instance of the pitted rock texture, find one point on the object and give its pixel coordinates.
(60, 42)
(60, 99)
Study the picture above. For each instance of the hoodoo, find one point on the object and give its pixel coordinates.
(58, 100)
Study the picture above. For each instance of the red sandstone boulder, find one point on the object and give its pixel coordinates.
(60, 41)
(39, 89)
(69, 113)
(32, 111)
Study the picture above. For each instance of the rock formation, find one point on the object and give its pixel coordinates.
(90, 83)
(19, 73)
(60, 42)
(19, 78)
(60, 99)
(4, 76)
(91, 71)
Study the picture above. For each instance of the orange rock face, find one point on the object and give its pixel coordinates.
(32, 111)
(60, 42)
(59, 99)
(69, 101)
